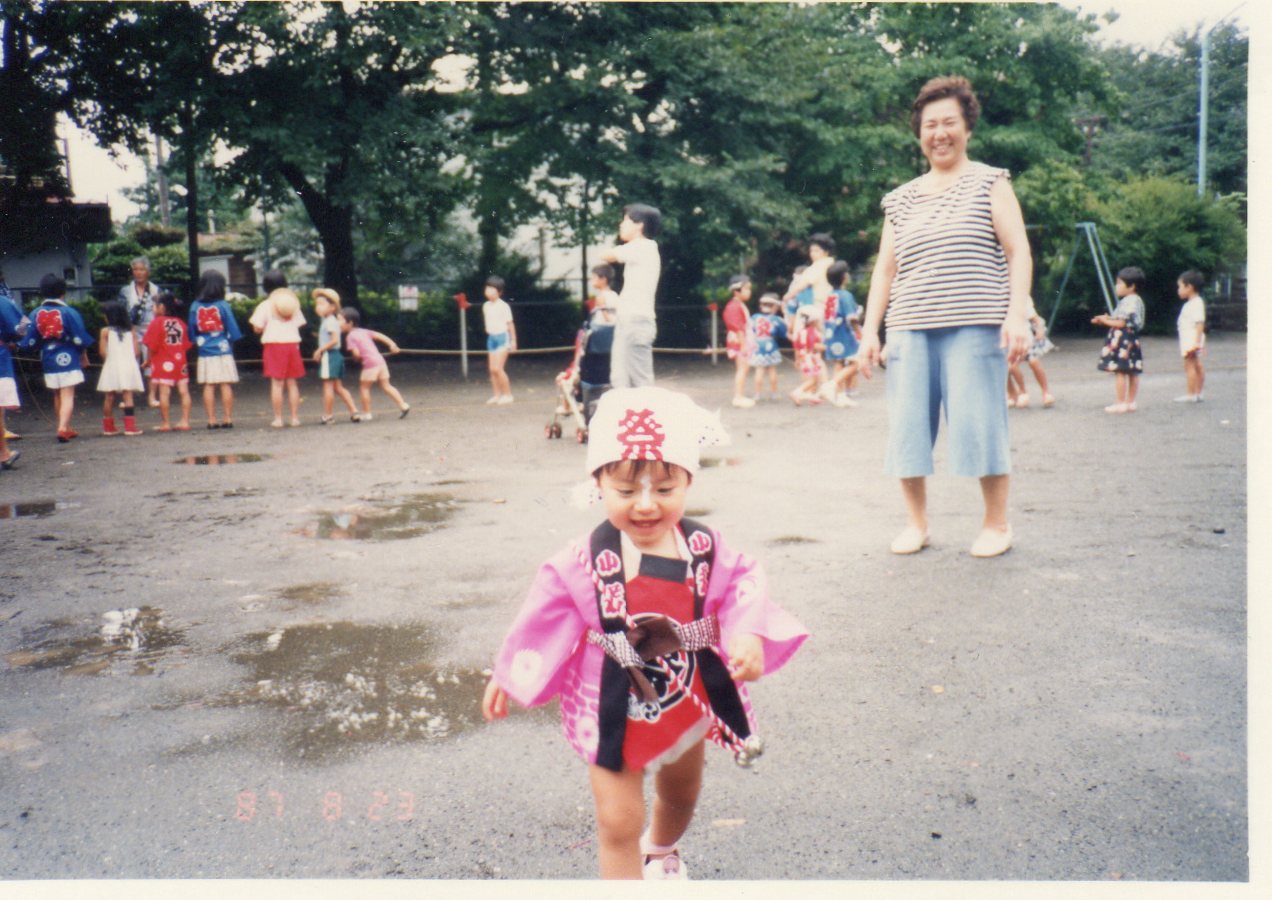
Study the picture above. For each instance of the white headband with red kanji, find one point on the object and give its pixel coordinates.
(650, 423)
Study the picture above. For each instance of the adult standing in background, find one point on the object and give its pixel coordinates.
(138, 297)
(632, 358)
(953, 277)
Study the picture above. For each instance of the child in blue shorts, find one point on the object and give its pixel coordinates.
(501, 339)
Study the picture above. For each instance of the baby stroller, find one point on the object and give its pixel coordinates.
(581, 386)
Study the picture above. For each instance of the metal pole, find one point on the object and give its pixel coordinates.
(715, 336)
(1203, 115)
(463, 341)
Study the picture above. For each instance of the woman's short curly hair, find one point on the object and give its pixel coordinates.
(955, 86)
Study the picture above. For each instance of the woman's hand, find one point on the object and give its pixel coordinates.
(494, 703)
(868, 354)
(746, 657)
(1015, 338)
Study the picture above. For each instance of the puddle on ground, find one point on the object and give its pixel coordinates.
(35, 509)
(386, 520)
(311, 592)
(791, 539)
(221, 459)
(131, 641)
(712, 462)
(342, 684)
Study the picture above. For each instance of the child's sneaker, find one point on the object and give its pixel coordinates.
(669, 867)
(403, 411)
(327, 420)
(505, 400)
(355, 418)
(843, 401)
(743, 402)
(493, 400)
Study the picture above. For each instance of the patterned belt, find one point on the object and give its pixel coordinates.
(622, 646)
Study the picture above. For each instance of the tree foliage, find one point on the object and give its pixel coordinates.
(749, 125)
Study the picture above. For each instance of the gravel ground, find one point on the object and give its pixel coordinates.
(270, 668)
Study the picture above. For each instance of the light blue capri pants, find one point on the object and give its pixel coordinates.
(962, 371)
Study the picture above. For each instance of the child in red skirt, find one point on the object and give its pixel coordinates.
(278, 320)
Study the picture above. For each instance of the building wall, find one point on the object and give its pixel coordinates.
(23, 273)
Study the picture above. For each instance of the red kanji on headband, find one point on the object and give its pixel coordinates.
(641, 435)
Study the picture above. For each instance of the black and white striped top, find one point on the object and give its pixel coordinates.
(951, 270)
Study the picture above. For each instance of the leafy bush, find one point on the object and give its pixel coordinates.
(1162, 226)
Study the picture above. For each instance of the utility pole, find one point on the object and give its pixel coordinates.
(1203, 114)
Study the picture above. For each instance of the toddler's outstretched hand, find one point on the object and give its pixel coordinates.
(746, 657)
(494, 703)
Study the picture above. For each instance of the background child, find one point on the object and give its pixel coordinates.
(736, 318)
(13, 325)
(166, 339)
(1192, 334)
(636, 325)
(1122, 354)
(328, 356)
(121, 370)
(807, 341)
(603, 284)
(765, 328)
(58, 330)
(1017, 395)
(812, 278)
(626, 704)
(501, 339)
(361, 344)
(278, 320)
(838, 335)
(215, 331)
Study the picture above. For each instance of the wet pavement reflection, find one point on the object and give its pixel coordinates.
(221, 459)
(342, 684)
(385, 521)
(127, 641)
(35, 509)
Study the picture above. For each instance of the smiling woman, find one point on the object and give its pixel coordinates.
(953, 277)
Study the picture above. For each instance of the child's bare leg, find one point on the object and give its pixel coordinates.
(498, 377)
(1040, 374)
(65, 408)
(1120, 387)
(165, 405)
(394, 394)
(346, 397)
(772, 379)
(676, 788)
(739, 376)
(108, 407)
(328, 397)
(364, 388)
(209, 402)
(620, 817)
(276, 398)
(184, 391)
(1132, 387)
(4, 442)
(1015, 382)
(293, 398)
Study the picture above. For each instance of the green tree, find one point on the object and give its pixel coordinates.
(1152, 116)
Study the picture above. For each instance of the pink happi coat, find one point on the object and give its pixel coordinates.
(546, 652)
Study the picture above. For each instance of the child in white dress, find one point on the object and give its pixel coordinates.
(121, 371)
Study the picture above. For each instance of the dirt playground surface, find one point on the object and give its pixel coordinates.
(258, 653)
